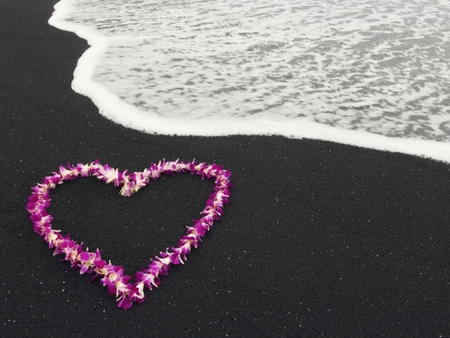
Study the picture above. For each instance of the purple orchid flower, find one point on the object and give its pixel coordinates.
(113, 276)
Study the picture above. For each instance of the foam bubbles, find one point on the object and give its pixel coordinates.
(368, 73)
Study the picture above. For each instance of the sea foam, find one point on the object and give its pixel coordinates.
(374, 74)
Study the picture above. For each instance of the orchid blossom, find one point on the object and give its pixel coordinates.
(113, 276)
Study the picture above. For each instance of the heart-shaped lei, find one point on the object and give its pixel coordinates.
(111, 275)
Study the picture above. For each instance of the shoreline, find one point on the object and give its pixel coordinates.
(318, 238)
(126, 114)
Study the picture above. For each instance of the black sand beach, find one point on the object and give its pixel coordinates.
(319, 239)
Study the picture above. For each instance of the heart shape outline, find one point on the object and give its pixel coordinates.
(112, 275)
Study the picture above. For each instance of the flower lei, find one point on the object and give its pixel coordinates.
(111, 275)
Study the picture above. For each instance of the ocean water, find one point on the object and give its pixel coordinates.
(371, 73)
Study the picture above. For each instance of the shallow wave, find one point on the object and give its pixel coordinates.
(375, 66)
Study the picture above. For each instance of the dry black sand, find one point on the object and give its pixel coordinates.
(319, 238)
